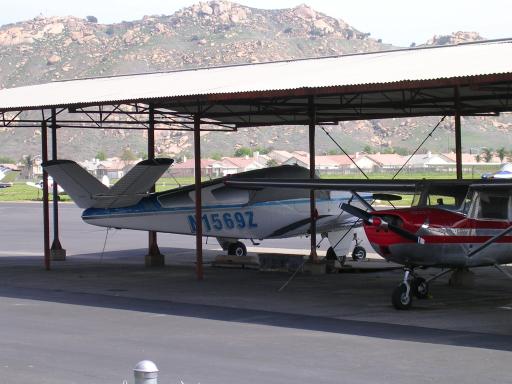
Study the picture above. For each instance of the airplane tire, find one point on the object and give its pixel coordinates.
(331, 254)
(359, 253)
(399, 299)
(419, 288)
(237, 249)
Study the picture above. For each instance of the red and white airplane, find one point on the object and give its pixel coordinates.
(454, 225)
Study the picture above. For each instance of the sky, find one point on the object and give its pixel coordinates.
(398, 22)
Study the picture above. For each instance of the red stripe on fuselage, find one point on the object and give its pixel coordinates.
(388, 237)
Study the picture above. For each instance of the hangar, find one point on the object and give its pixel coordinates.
(471, 79)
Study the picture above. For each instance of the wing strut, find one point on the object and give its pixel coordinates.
(490, 241)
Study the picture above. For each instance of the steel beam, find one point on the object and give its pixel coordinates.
(154, 258)
(198, 200)
(458, 135)
(56, 250)
(46, 207)
(312, 165)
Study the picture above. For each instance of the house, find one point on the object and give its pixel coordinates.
(186, 168)
(279, 156)
(470, 159)
(32, 171)
(339, 162)
(231, 165)
(428, 160)
(380, 161)
(298, 158)
(114, 167)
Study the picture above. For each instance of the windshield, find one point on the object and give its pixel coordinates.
(449, 197)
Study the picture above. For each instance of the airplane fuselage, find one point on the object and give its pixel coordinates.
(249, 220)
(447, 238)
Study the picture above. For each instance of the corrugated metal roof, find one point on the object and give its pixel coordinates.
(460, 61)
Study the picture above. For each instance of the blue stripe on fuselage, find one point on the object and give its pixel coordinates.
(151, 204)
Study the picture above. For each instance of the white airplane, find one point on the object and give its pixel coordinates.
(7, 176)
(39, 185)
(229, 213)
(505, 172)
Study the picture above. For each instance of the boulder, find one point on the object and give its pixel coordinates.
(321, 27)
(54, 28)
(304, 12)
(53, 59)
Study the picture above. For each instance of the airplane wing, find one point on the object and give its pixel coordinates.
(349, 184)
(327, 184)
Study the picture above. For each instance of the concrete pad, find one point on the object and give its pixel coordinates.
(89, 320)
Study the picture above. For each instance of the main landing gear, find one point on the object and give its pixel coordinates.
(412, 285)
(234, 247)
(237, 249)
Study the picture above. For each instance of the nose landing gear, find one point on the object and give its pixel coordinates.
(412, 285)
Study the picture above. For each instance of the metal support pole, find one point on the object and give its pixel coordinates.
(46, 207)
(312, 165)
(197, 181)
(154, 258)
(56, 251)
(458, 135)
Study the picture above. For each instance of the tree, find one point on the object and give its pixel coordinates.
(216, 156)
(487, 154)
(101, 156)
(243, 151)
(6, 160)
(502, 153)
(28, 163)
(478, 158)
(92, 19)
(272, 163)
(263, 151)
(401, 151)
(368, 150)
(128, 155)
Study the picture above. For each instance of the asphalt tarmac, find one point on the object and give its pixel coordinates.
(94, 316)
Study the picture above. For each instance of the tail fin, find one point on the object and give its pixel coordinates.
(88, 192)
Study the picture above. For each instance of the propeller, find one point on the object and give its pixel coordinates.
(380, 222)
(386, 197)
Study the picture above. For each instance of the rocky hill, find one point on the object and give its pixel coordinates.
(205, 34)
(454, 38)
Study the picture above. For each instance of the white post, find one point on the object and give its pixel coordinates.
(145, 372)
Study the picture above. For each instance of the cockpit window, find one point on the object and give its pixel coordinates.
(442, 201)
(491, 205)
(444, 196)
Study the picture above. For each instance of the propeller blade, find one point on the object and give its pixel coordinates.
(369, 218)
(386, 197)
(406, 234)
(357, 212)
